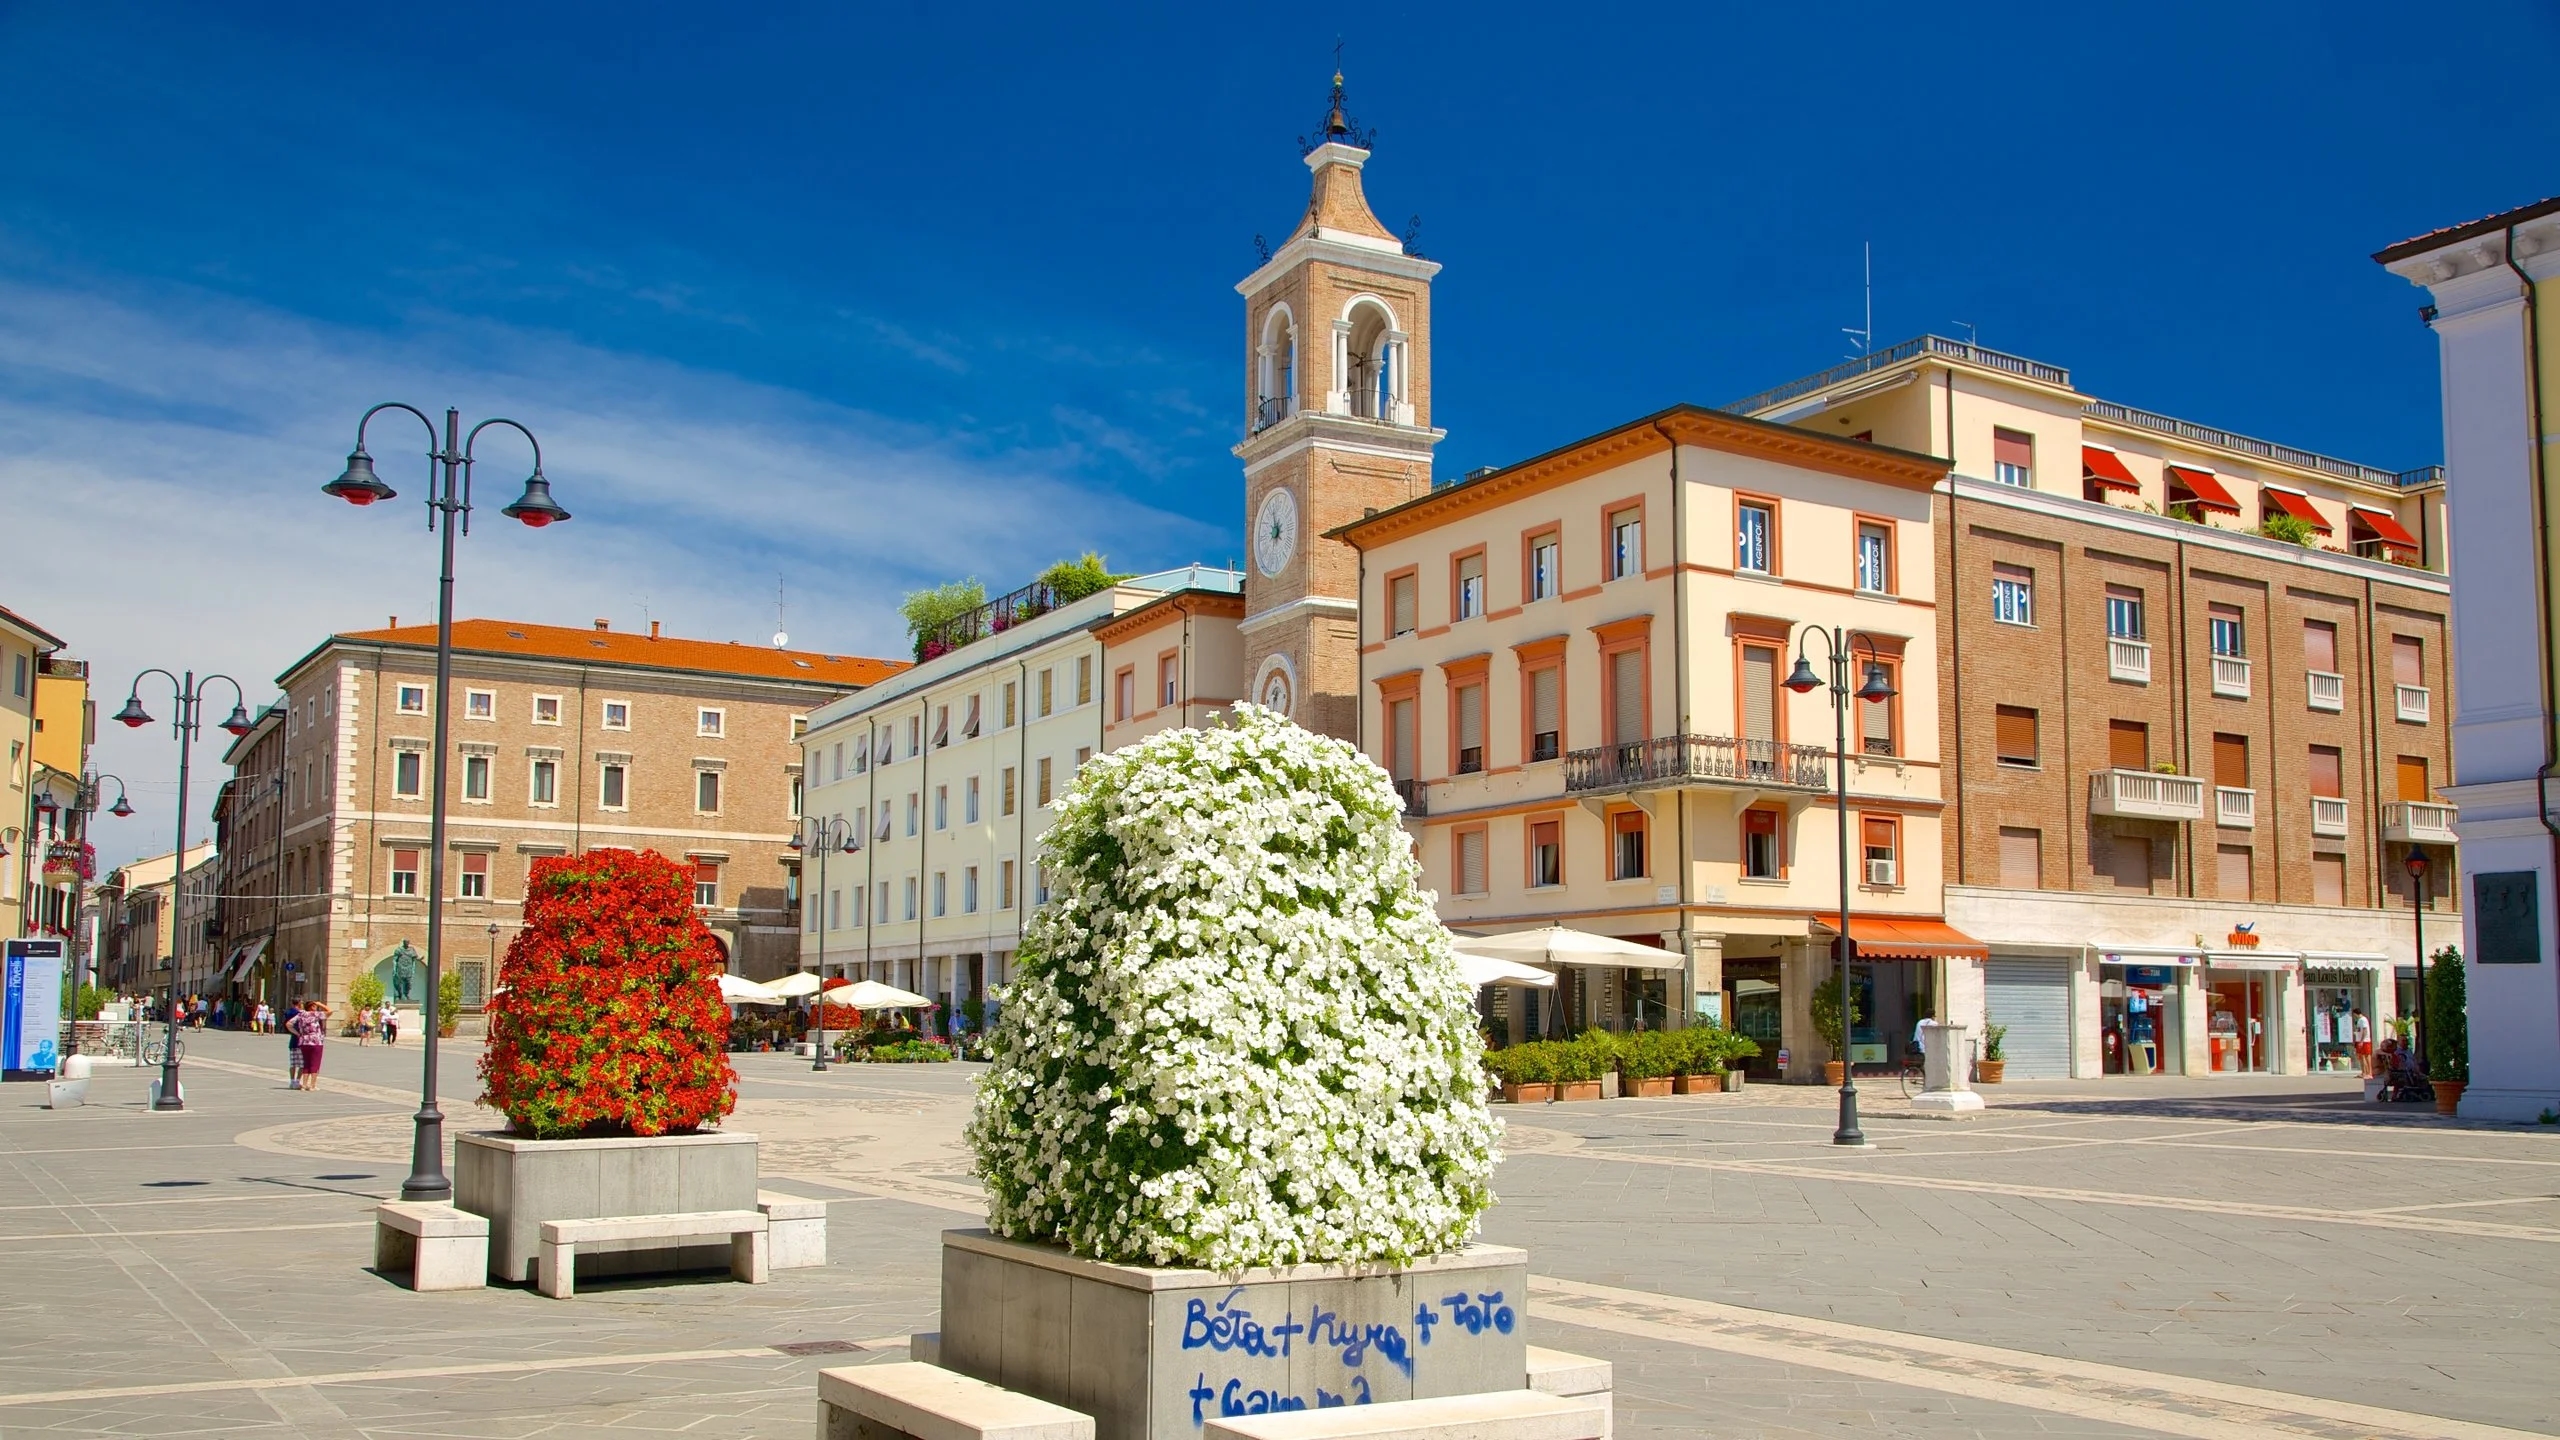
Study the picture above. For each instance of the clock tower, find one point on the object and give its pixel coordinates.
(1337, 424)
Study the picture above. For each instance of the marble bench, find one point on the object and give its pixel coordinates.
(910, 1400)
(556, 1265)
(796, 1234)
(440, 1248)
(1493, 1415)
(1553, 1372)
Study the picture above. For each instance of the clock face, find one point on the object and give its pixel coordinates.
(1275, 693)
(1275, 532)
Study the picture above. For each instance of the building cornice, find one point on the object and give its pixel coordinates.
(1352, 252)
(2205, 537)
(1302, 606)
(1128, 623)
(1320, 429)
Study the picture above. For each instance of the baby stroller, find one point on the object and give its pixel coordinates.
(2402, 1079)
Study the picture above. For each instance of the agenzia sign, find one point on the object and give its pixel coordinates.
(31, 1012)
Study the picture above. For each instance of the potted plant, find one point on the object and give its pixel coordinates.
(1527, 1072)
(1699, 1062)
(1646, 1061)
(2448, 1030)
(364, 992)
(1581, 1061)
(1993, 1063)
(1828, 1023)
(449, 1003)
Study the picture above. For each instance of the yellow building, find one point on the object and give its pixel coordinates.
(45, 729)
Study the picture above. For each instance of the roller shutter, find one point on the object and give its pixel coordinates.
(2032, 998)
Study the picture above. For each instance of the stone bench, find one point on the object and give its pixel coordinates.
(908, 1400)
(556, 1266)
(439, 1247)
(796, 1230)
(1494, 1415)
(1553, 1372)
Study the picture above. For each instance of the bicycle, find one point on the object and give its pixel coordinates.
(1913, 1072)
(164, 1050)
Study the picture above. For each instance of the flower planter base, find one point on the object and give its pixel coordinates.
(1834, 1074)
(1523, 1093)
(1696, 1085)
(2448, 1095)
(1154, 1354)
(519, 1183)
(1988, 1072)
(1578, 1090)
(1649, 1088)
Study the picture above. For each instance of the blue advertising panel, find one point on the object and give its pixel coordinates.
(31, 1007)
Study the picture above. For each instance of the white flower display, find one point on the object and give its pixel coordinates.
(1236, 1035)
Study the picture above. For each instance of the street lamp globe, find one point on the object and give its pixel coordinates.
(358, 485)
(535, 507)
(1878, 686)
(133, 715)
(237, 722)
(120, 809)
(2416, 864)
(1802, 680)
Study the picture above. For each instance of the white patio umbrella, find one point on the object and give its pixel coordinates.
(872, 995)
(798, 982)
(1557, 945)
(1483, 970)
(739, 990)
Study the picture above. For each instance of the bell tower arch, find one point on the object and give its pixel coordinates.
(1337, 424)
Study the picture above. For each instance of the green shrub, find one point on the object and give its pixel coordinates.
(1532, 1062)
(1072, 580)
(2448, 1027)
(1993, 1038)
(908, 1052)
(88, 1000)
(1709, 1049)
(1650, 1054)
(2292, 529)
(1587, 1056)
(365, 990)
(1826, 1016)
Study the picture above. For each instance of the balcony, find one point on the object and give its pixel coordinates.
(1698, 759)
(2235, 808)
(2326, 690)
(2231, 677)
(1273, 409)
(2328, 815)
(2146, 795)
(2418, 822)
(2413, 702)
(1416, 796)
(2129, 660)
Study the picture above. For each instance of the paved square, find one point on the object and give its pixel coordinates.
(2200, 1258)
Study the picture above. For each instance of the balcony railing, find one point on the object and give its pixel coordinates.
(2146, 795)
(1710, 759)
(2413, 702)
(1272, 410)
(2328, 815)
(2267, 449)
(2234, 807)
(2327, 690)
(993, 618)
(2231, 677)
(1416, 796)
(1894, 355)
(2418, 822)
(2129, 660)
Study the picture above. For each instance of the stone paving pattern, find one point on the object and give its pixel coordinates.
(2082, 1260)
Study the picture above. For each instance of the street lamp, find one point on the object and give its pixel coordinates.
(2416, 865)
(1840, 648)
(449, 460)
(827, 837)
(190, 697)
(74, 830)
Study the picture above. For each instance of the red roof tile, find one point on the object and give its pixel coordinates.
(656, 652)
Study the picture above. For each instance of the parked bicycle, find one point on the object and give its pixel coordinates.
(164, 1049)
(1913, 1072)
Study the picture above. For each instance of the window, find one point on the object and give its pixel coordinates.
(835, 910)
(2128, 744)
(2412, 775)
(1546, 712)
(969, 891)
(1048, 690)
(861, 756)
(1039, 884)
(2224, 628)
(1876, 717)
(405, 779)
(2124, 613)
(1004, 884)
(710, 723)
(475, 778)
(1042, 791)
(18, 676)
(2013, 736)
(617, 715)
(1008, 704)
(1004, 792)
(2021, 858)
(882, 827)
(969, 802)
(1626, 845)
(915, 734)
(1626, 543)
(2320, 646)
(941, 893)
(1467, 862)
(2328, 879)
(2234, 868)
(1628, 723)
(941, 807)
(799, 727)
(1875, 557)
(2328, 772)
(1546, 853)
(1544, 554)
(545, 787)
(1404, 740)
(2013, 595)
(2013, 458)
(907, 898)
(706, 792)
(1759, 717)
(412, 699)
(479, 704)
(2231, 761)
(706, 883)
(853, 912)
(612, 786)
(1470, 704)
(1401, 605)
(835, 761)
(1880, 842)
(404, 872)
(1084, 679)
(1167, 679)
(1754, 538)
(880, 903)
(1083, 753)
(475, 876)
(913, 810)
(546, 709)
(1468, 601)
(1760, 860)
(1124, 694)
(941, 726)
(2408, 660)
(2128, 860)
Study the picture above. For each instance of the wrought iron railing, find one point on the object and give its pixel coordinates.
(993, 618)
(1416, 796)
(1272, 410)
(1895, 355)
(1679, 759)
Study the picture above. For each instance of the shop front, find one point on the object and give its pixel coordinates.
(2342, 1001)
(2142, 1005)
(2246, 999)
(1894, 976)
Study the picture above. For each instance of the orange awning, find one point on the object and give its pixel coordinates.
(2296, 505)
(2103, 467)
(2206, 487)
(2384, 527)
(1896, 937)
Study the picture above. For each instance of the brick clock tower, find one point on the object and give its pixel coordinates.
(1338, 424)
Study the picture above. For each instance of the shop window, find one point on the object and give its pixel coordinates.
(2013, 740)
(2021, 858)
(1760, 855)
(1546, 853)
(1627, 847)
(475, 876)
(404, 872)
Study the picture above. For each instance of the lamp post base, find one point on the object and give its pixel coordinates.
(1848, 1132)
(427, 1180)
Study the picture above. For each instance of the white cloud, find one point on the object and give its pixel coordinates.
(170, 447)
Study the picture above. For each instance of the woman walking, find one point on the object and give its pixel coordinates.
(311, 1032)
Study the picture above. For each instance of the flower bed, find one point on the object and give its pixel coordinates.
(1236, 1035)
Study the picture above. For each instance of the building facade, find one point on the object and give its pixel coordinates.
(43, 749)
(564, 741)
(2194, 705)
(938, 780)
(2495, 284)
(138, 921)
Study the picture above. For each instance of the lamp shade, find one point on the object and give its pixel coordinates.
(1802, 680)
(1878, 686)
(2416, 864)
(45, 804)
(237, 722)
(535, 507)
(120, 809)
(133, 714)
(358, 485)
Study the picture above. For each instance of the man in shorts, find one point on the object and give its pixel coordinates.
(2360, 1031)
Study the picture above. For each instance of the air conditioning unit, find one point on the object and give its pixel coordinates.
(1880, 873)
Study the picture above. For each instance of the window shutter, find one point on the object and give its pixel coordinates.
(1401, 739)
(1759, 693)
(2329, 879)
(2231, 761)
(2128, 745)
(1875, 723)
(2021, 858)
(2408, 660)
(1470, 717)
(1400, 594)
(2232, 866)
(1626, 683)
(1471, 862)
(1545, 702)
(2328, 774)
(2413, 779)
(2008, 447)
(2320, 646)
(2014, 734)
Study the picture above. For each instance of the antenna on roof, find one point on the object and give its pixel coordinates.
(1865, 339)
(781, 637)
(1970, 338)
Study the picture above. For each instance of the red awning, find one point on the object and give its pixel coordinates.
(2103, 467)
(2385, 528)
(2295, 505)
(1895, 937)
(2206, 487)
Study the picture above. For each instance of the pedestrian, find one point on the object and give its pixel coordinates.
(311, 1034)
(292, 1045)
(391, 1025)
(2360, 1030)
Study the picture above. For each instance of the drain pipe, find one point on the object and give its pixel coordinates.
(1680, 712)
(2541, 545)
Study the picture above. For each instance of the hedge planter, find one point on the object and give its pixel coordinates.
(1989, 1071)
(1696, 1085)
(519, 1183)
(1157, 1353)
(1650, 1087)
(1524, 1093)
(2448, 1095)
(1834, 1074)
(1578, 1090)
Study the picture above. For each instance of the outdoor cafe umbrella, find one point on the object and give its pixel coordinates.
(872, 995)
(1553, 945)
(798, 982)
(738, 990)
(1483, 970)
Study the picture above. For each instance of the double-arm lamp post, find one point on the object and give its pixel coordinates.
(1877, 687)
(2416, 865)
(828, 837)
(190, 719)
(84, 801)
(449, 459)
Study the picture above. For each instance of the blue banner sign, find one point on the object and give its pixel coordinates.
(31, 1007)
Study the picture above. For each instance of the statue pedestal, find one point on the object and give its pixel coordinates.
(1942, 1067)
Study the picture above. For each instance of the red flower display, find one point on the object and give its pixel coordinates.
(842, 1017)
(611, 1022)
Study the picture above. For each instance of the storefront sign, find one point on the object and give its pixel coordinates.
(2506, 911)
(2150, 977)
(31, 1006)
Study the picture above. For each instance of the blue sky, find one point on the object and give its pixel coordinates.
(870, 297)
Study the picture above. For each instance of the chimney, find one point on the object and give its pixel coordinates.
(602, 624)
(395, 622)
(653, 629)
